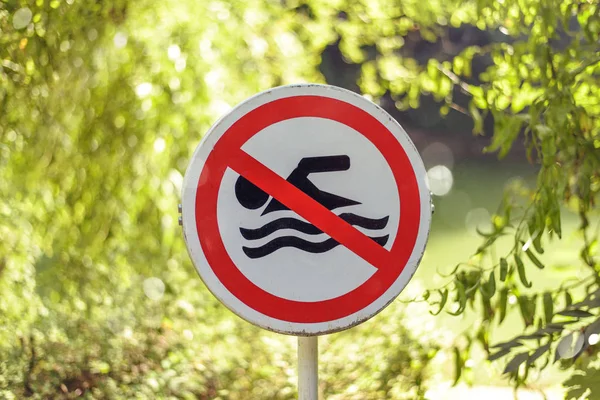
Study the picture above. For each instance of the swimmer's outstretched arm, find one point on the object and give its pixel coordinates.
(310, 165)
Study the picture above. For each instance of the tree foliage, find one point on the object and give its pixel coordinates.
(543, 90)
(102, 104)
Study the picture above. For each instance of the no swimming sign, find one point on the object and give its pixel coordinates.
(305, 209)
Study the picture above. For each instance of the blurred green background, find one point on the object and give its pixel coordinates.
(101, 106)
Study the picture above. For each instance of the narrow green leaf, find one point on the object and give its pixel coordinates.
(534, 259)
(592, 303)
(499, 354)
(537, 244)
(593, 328)
(538, 353)
(550, 329)
(487, 235)
(548, 307)
(516, 362)
(556, 222)
(477, 118)
(527, 307)
(489, 241)
(568, 299)
(486, 307)
(491, 285)
(532, 336)
(458, 366)
(484, 292)
(508, 345)
(443, 300)
(533, 306)
(521, 270)
(484, 337)
(560, 325)
(451, 273)
(502, 304)
(575, 313)
(503, 269)
(461, 298)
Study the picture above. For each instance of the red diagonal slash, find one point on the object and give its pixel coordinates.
(308, 208)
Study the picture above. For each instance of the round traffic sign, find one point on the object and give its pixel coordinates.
(305, 209)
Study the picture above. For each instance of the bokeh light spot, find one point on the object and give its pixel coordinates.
(478, 218)
(176, 179)
(92, 35)
(174, 83)
(219, 107)
(11, 135)
(22, 18)
(120, 40)
(146, 105)
(159, 145)
(189, 335)
(143, 89)
(180, 64)
(132, 141)
(119, 121)
(154, 288)
(440, 180)
(174, 52)
(437, 153)
(65, 45)
(258, 46)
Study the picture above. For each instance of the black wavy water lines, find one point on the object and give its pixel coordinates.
(305, 227)
(291, 241)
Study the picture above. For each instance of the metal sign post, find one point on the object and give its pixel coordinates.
(308, 367)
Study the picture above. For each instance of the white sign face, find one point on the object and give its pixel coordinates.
(305, 209)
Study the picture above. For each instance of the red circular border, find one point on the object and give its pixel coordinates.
(206, 209)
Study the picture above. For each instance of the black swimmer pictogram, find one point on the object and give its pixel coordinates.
(252, 197)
